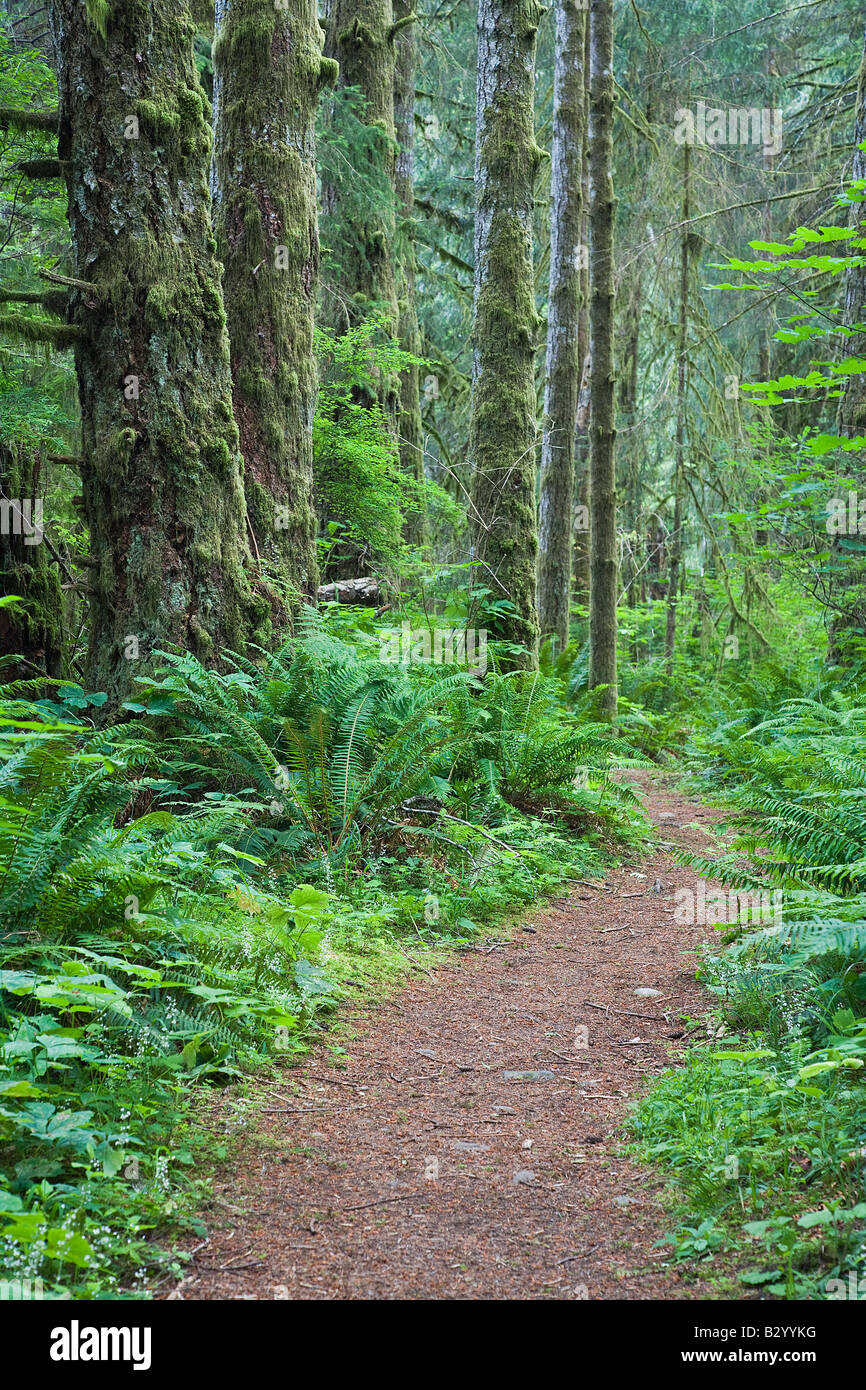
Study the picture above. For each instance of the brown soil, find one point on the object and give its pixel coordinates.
(397, 1177)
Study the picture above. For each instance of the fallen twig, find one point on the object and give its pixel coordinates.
(382, 1201)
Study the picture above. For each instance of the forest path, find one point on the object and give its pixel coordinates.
(422, 1171)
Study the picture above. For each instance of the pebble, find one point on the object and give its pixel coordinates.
(470, 1146)
(647, 993)
(525, 1175)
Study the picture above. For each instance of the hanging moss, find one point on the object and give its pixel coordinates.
(18, 119)
(161, 476)
(58, 335)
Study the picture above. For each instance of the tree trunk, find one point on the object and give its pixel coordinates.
(503, 428)
(580, 563)
(162, 485)
(361, 37)
(408, 333)
(849, 577)
(267, 75)
(603, 566)
(676, 552)
(32, 629)
(563, 367)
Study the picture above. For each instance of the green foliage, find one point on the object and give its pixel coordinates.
(517, 745)
(139, 954)
(179, 892)
(767, 1139)
(356, 460)
(336, 743)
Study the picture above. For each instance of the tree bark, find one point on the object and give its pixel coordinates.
(503, 427)
(408, 332)
(603, 558)
(580, 562)
(361, 38)
(268, 71)
(849, 579)
(33, 629)
(676, 550)
(563, 365)
(162, 486)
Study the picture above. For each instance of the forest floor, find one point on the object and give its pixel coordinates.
(419, 1168)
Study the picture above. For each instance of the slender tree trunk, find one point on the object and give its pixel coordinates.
(563, 367)
(603, 559)
(32, 629)
(409, 422)
(849, 578)
(580, 564)
(267, 75)
(361, 37)
(163, 493)
(503, 427)
(676, 551)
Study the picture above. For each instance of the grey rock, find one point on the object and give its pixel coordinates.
(529, 1075)
(470, 1146)
(524, 1177)
(647, 993)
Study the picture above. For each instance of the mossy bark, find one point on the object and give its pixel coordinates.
(161, 474)
(268, 71)
(580, 558)
(408, 332)
(503, 424)
(32, 629)
(676, 548)
(361, 38)
(847, 636)
(603, 542)
(563, 366)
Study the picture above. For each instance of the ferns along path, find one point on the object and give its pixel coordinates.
(432, 654)
(469, 1145)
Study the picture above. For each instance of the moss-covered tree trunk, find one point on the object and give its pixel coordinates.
(408, 333)
(161, 473)
(31, 630)
(603, 557)
(563, 366)
(676, 549)
(580, 559)
(503, 424)
(361, 37)
(848, 625)
(268, 71)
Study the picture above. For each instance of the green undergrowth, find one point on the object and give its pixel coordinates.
(189, 898)
(764, 1124)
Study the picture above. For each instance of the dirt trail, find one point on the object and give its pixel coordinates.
(421, 1171)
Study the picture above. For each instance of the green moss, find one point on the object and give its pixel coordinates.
(267, 201)
(329, 71)
(157, 122)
